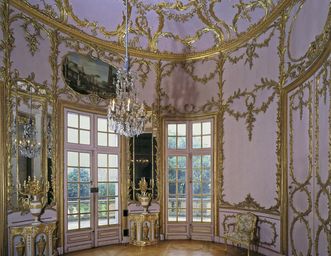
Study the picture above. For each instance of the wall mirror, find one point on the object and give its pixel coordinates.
(143, 162)
(31, 115)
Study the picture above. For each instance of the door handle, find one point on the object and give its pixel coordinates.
(95, 190)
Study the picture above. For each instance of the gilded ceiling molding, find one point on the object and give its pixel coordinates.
(315, 51)
(226, 46)
(313, 68)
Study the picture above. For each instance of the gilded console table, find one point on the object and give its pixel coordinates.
(33, 240)
(144, 228)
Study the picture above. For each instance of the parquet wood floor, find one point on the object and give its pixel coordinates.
(166, 248)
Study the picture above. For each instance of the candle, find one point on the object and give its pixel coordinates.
(128, 108)
(113, 105)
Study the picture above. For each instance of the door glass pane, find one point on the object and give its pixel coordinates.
(172, 202)
(72, 174)
(181, 129)
(181, 188)
(84, 122)
(102, 204)
(84, 137)
(206, 141)
(85, 206)
(206, 128)
(72, 190)
(172, 142)
(72, 120)
(102, 174)
(102, 124)
(181, 202)
(72, 158)
(84, 174)
(102, 218)
(181, 174)
(181, 143)
(196, 202)
(84, 159)
(113, 174)
(113, 217)
(196, 188)
(84, 190)
(73, 221)
(206, 216)
(102, 189)
(181, 161)
(113, 160)
(181, 214)
(172, 174)
(196, 129)
(172, 214)
(72, 207)
(112, 140)
(172, 188)
(102, 139)
(197, 215)
(102, 160)
(172, 130)
(72, 135)
(85, 220)
(196, 142)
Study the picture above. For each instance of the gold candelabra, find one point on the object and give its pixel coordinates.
(35, 192)
(33, 187)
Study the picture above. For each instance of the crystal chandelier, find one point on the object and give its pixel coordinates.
(28, 146)
(125, 115)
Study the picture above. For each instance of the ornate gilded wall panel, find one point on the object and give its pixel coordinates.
(309, 166)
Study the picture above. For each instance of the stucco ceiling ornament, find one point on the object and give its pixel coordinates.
(125, 115)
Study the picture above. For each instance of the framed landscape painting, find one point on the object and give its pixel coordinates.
(87, 75)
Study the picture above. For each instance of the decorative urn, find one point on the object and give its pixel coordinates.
(144, 197)
(34, 192)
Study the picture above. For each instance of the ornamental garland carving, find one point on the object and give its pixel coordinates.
(150, 26)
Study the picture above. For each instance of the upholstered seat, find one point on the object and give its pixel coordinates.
(244, 230)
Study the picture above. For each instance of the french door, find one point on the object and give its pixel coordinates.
(91, 193)
(189, 175)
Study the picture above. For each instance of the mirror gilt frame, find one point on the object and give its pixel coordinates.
(42, 101)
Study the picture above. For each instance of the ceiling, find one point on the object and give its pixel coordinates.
(161, 29)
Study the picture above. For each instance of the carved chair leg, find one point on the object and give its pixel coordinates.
(249, 246)
(226, 245)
